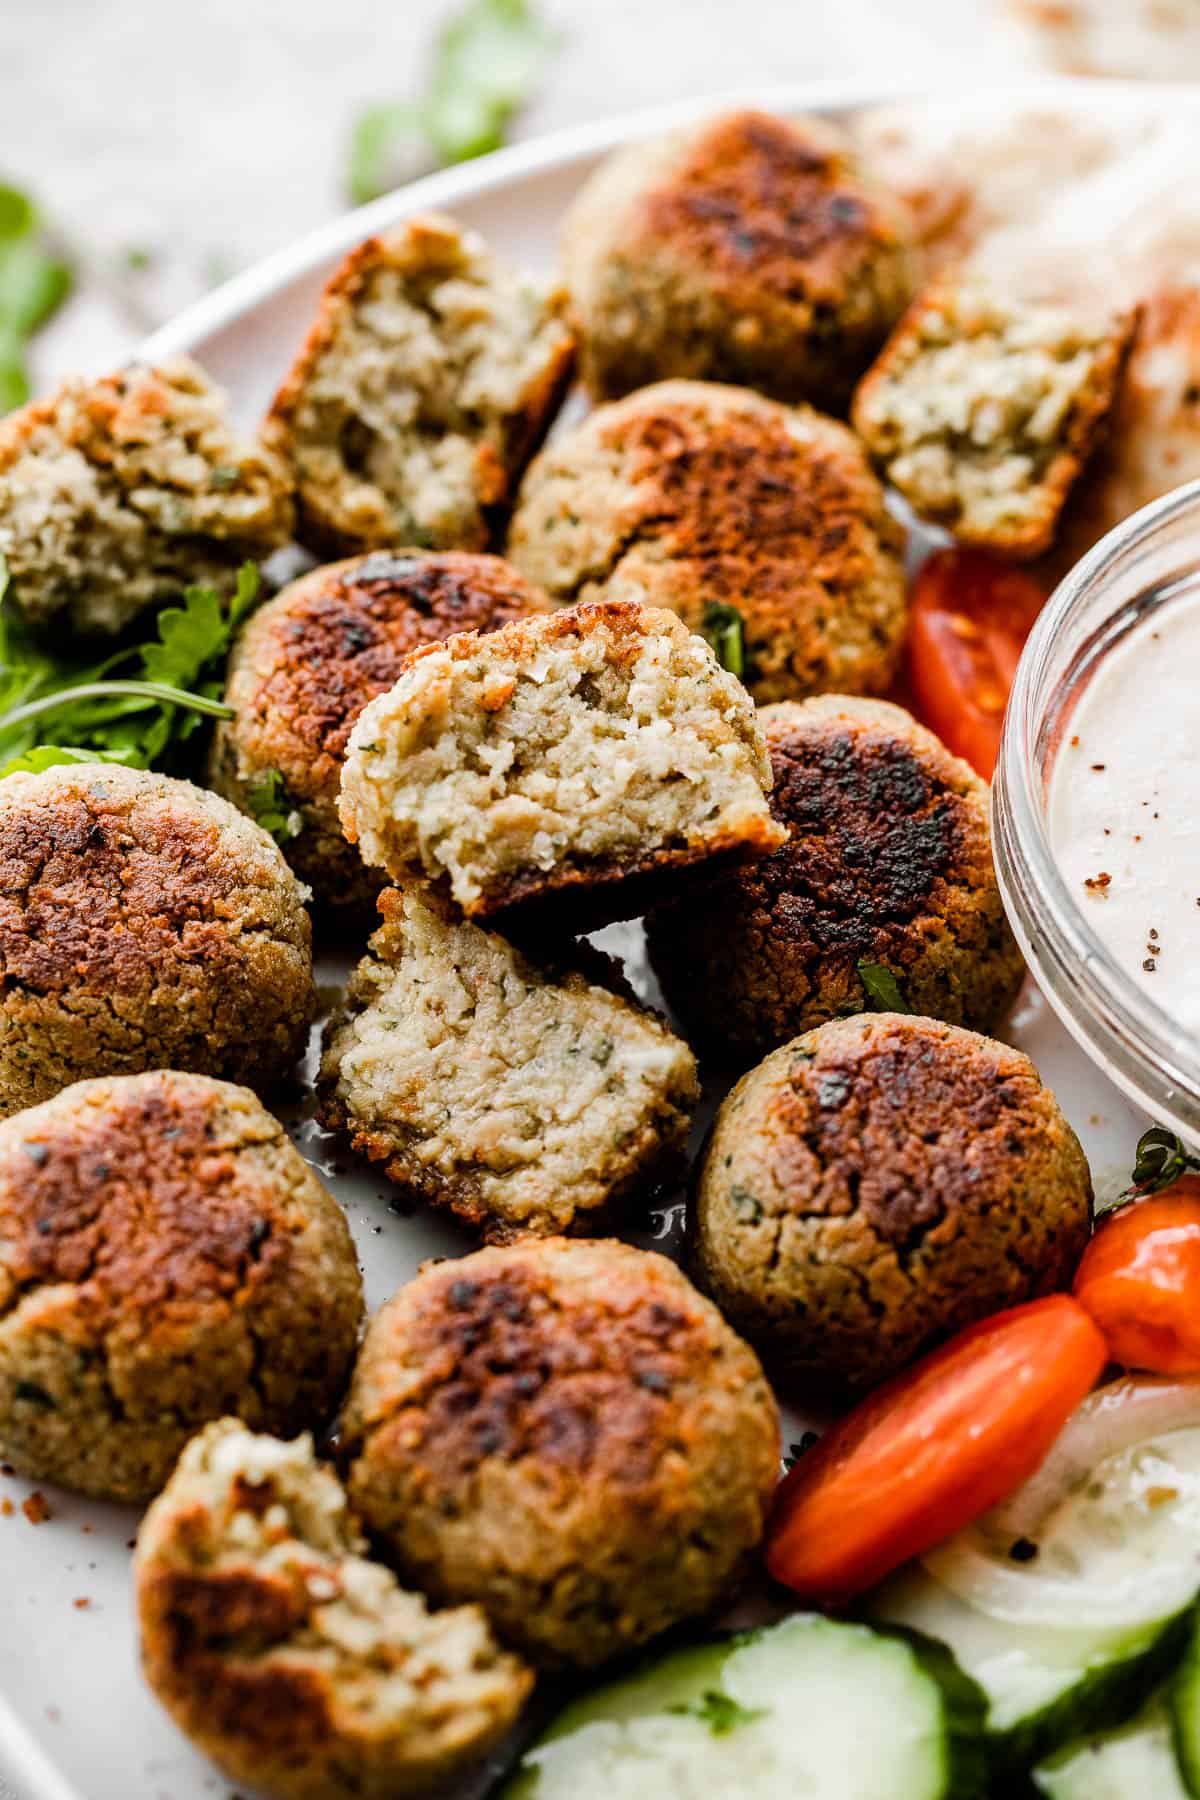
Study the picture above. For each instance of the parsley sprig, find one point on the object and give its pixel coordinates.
(881, 989)
(487, 62)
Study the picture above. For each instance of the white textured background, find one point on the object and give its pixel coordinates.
(211, 132)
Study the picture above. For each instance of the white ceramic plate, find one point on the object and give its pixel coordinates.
(76, 1722)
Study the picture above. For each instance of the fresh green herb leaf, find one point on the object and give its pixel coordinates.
(266, 798)
(48, 756)
(35, 1394)
(34, 282)
(1161, 1159)
(487, 61)
(719, 1712)
(725, 630)
(881, 988)
(138, 258)
(797, 1450)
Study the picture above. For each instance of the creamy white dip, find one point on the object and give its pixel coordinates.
(1124, 806)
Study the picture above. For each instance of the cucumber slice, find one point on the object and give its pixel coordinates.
(1043, 1686)
(1136, 1762)
(830, 1711)
(1183, 1700)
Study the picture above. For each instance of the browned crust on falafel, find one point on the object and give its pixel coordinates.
(888, 861)
(692, 495)
(315, 655)
(879, 1184)
(569, 1433)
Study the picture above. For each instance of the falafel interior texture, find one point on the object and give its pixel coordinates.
(877, 1185)
(524, 1098)
(311, 659)
(298, 1665)
(166, 1255)
(561, 757)
(888, 862)
(568, 1433)
(748, 248)
(983, 410)
(705, 498)
(429, 377)
(119, 493)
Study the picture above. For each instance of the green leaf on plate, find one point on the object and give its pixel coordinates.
(881, 988)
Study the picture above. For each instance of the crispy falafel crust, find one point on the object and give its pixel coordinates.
(888, 861)
(428, 379)
(748, 249)
(118, 493)
(690, 494)
(563, 769)
(165, 1256)
(879, 1184)
(311, 659)
(567, 1433)
(144, 923)
(984, 410)
(527, 1098)
(300, 1667)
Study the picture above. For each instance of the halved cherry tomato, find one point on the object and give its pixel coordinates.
(1140, 1280)
(971, 614)
(932, 1449)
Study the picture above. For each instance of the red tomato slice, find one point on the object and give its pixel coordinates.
(1140, 1280)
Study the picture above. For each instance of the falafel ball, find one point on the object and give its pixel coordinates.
(748, 248)
(144, 923)
(119, 493)
(298, 1665)
(310, 660)
(566, 767)
(166, 1256)
(761, 525)
(526, 1097)
(567, 1433)
(888, 864)
(429, 377)
(879, 1184)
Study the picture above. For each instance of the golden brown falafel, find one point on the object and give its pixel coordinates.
(876, 1186)
(310, 660)
(567, 1433)
(299, 1666)
(733, 511)
(888, 862)
(166, 1256)
(144, 923)
(119, 493)
(429, 377)
(748, 248)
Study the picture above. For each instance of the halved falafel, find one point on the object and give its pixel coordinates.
(299, 1666)
(119, 493)
(748, 248)
(427, 380)
(570, 765)
(166, 1256)
(878, 1184)
(525, 1097)
(144, 923)
(984, 409)
(761, 525)
(888, 862)
(310, 660)
(567, 1433)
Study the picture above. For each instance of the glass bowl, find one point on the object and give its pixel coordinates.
(1147, 564)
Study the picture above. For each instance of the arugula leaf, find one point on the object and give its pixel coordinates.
(487, 61)
(724, 629)
(881, 988)
(266, 798)
(34, 282)
(719, 1712)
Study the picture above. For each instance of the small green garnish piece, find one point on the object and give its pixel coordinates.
(487, 61)
(801, 1448)
(720, 1713)
(35, 1395)
(267, 801)
(724, 629)
(1161, 1159)
(881, 988)
(34, 282)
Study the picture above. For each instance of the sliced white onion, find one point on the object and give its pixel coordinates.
(976, 1565)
